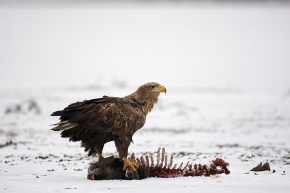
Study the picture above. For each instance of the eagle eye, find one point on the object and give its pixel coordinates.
(152, 86)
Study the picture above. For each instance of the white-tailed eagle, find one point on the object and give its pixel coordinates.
(98, 121)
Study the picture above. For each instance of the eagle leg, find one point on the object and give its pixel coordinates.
(99, 150)
(122, 144)
(128, 163)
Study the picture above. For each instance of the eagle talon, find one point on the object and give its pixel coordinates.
(128, 163)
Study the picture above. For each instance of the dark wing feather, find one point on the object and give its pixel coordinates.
(109, 114)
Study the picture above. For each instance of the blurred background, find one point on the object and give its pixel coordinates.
(212, 44)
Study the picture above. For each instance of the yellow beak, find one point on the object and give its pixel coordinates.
(161, 89)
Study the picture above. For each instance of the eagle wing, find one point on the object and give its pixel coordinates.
(118, 116)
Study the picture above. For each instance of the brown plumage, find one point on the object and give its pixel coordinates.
(98, 121)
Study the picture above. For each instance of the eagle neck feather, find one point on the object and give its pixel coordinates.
(146, 101)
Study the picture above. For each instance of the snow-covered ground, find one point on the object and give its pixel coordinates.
(242, 128)
(226, 70)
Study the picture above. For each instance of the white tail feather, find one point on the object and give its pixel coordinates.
(63, 125)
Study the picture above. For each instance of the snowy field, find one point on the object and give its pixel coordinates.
(226, 70)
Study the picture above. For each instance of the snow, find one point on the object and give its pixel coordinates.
(226, 70)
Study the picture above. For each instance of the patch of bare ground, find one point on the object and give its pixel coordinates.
(8, 143)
